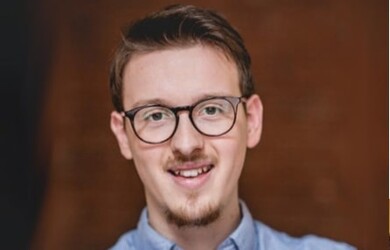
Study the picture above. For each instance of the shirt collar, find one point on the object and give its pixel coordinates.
(148, 238)
(243, 237)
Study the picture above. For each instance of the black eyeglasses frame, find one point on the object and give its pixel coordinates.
(233, 100)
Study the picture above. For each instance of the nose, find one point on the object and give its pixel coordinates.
(186, 139)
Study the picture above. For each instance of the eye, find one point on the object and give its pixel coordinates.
(156, 114)
(211, 110)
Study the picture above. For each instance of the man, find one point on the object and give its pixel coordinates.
(185, 113)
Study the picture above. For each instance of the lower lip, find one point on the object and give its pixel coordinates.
(192, 183)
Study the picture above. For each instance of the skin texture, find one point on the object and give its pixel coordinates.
(178, 77)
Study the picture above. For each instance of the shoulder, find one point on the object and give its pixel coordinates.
(269, 238)
(125, 242)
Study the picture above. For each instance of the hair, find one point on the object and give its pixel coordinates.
(174, 27)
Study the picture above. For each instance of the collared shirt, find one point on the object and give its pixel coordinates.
(249, 235)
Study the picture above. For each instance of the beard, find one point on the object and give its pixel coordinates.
(192, 213)
(186, 218)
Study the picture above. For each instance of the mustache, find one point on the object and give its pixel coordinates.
(196, 157)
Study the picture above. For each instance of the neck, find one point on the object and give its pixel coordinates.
(199, 237)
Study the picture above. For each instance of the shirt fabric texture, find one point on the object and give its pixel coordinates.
(249, 235)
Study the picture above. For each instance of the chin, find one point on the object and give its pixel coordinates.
(192, 214)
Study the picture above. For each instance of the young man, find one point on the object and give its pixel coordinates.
(185, 114)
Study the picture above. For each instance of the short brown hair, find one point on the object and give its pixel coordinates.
(180, 26)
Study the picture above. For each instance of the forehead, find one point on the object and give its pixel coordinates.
(179, 76)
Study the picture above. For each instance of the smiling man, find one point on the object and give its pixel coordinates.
(186, 112)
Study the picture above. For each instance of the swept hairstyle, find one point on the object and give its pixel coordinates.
(174, 27)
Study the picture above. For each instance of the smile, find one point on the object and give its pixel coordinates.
(191, 173)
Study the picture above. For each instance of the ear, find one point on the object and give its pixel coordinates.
(254, 113)
(118, 128)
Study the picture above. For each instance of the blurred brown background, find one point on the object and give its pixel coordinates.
(321, 68)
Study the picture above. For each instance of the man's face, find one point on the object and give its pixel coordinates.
(181, 77)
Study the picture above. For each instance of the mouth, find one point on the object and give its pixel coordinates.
(192, 175)
(192, 172)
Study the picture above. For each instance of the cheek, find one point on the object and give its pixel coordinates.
(237, 149)
(147, 161)
(232, 150)
(237, 145)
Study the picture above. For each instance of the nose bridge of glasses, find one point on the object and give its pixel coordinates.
(177, 110)
(185, 137)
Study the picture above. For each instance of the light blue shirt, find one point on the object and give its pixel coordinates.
(249, 235)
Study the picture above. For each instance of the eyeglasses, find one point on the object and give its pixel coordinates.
(214, 116)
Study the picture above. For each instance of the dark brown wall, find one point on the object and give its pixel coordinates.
(321, 68)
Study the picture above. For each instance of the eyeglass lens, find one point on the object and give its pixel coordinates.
(211, 117)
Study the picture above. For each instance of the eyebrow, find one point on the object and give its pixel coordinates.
(153, 101)
(159, 101)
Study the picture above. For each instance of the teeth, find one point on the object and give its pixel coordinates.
(191, 173)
